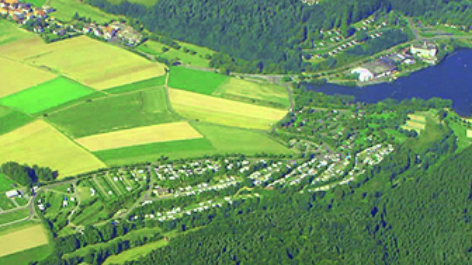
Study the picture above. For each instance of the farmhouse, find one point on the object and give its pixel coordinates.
(12, 194)
(376, 69)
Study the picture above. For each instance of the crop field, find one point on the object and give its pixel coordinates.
(10, 119)
(264, 94)
(223, 111)
(9, 32)
(23, 239)
(469, 133)
(23, 48)
(154, 100)
(186, 58)
(13, 77)
(194, 80)
(46, 95)
(65, 10)
(413, 125)
(139, 136)
(39, 143)
(417, 118)
(145, 84)
(13, 216)
(112, 113)
(110, 66)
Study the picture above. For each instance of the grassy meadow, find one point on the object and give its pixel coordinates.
(251, 92)
(11, 217)
(65, 11)
(141, 85)
(135, 253)
(112, 113)
(18, 76)
(6, 183)
(39, 143)
(46, 95)
(9, 32)
(22, 239)
(194, 80)
(223, 111)
(143, 2)
(11, 119)
(138, 136)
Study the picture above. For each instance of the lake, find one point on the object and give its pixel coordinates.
(451, 79)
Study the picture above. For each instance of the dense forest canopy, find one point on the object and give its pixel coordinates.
(266, 36)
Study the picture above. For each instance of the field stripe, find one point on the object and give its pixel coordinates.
(139, 136)
(22, 239)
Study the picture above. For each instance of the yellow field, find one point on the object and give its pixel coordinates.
(18, 76)
(223, 111)
(89, 61)
(413, 125)
(39, 143)
(22, 240)
(417, 118)
(469, 133)
(139, 136)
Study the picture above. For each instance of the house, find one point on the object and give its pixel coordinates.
(424, 50)
(12, 194)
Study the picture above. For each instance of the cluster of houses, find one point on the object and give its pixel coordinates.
(115, 31)
(23, 12)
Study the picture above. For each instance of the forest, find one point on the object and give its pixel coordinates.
(267, 36)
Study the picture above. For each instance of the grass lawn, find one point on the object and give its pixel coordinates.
(37, 3)
(256, 93)
(10, 120)
(14, 216)
(111, 113)
(65, 10)
(10, 32)
(6, 203)
(46, 95)
(196, 81)
(433, 131)
(6, 183)
(150, 83)
(135, 253)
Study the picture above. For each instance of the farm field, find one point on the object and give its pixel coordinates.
(46, 95)
(135, 253)
(10, 119)
(39, 143)
(113, 113)
(172, 54)
(13, 77)
(139, 136)
(9, 32)
(263, 94)
(145, 84)
(150, 152)
(223, 111)
(22, 240)
(196, 81)
(13, 216)
(6, 184)
(72, 58)
(143, 2)
(65, 10)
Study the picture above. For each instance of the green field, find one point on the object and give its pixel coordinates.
(432, 132)
(10, 119)
(135, 253)
(150, 83)
(194, 80)
(46, 95)
(6, 184)
(151, 152)
(14, 216)
(112, 113)
(172, 54)
(154, 100)
(9, 32)
(28, 256)
(6, 203)
(65, 11)
(37, 3)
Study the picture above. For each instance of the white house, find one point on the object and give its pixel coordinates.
(12, 193)
(364, 74)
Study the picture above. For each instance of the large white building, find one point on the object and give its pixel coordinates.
(364, 74)
(424, 50)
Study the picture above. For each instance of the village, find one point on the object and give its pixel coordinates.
(40, 20)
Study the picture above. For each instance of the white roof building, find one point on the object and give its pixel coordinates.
(364, 74)
(12, 193)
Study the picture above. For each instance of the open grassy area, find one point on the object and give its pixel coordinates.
(186, 58)
(251, 92)
(135, 253)
(110, 66)
(10, 32)
(223, 111)
(6, 184)
(10, 119)
(433, 131)
(150, 83)
(11, 217)
(143, 2)
(196, 81)
(46, 95)
(23, 239)
(18, 76)
(39, 143)
(109, 114)
(65, 10)
(140, 136)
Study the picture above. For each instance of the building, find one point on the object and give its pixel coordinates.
(364, 74)
(12, 194)
(424, 50)
(375, 69)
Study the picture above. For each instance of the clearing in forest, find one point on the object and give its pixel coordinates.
(91, 62)
(17, 77)
(251, 92)
(114, 113)
(22, 240)
(39, 143)
(223, 111)
(194, 80)
(139, 136)
(46, 95)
